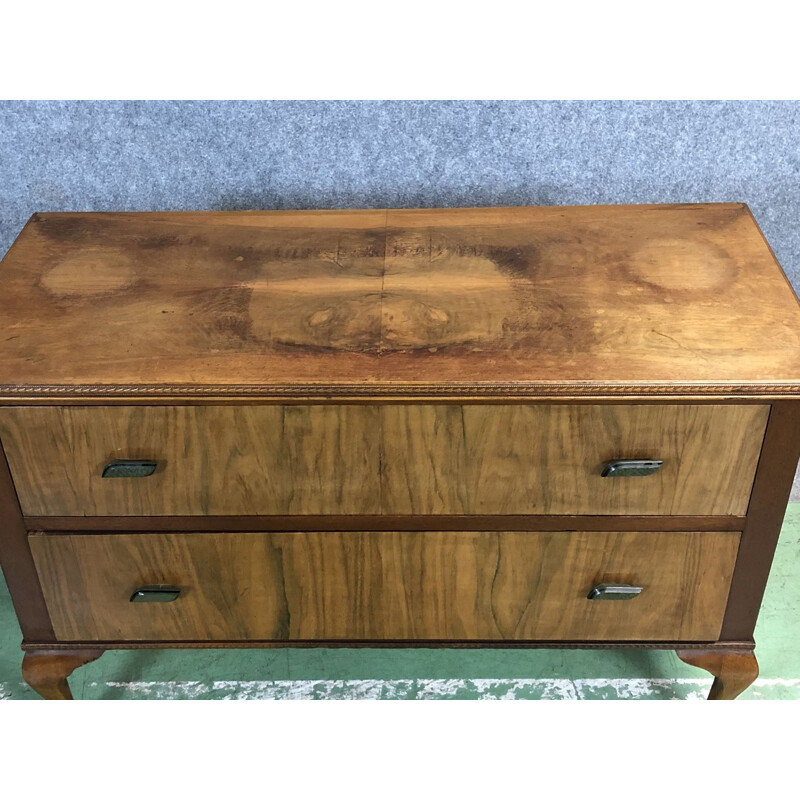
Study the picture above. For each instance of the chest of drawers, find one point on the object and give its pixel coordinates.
(500, 427)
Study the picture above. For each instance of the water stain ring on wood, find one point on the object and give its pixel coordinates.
(90, 275)
(682, 265)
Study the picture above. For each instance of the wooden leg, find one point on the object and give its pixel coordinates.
(46, 671)
(733, 670)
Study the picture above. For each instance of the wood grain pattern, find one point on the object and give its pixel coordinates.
(389, 459)
(46, 671)
(370, 378)
(18, 568)
(401, 585)
(222, 460)
(771, 490)
(733, 671)
(386, 522)
(613, 296)
(547, 459)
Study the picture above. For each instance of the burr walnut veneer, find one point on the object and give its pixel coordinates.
(499, 427)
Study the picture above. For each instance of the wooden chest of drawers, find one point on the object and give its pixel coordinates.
(501, 427)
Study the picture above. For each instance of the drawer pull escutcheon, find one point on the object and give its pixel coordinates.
(629, 468)
(614, 591)
(161, 593)
(129, 469)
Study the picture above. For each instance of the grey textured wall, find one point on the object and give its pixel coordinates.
(82, 156)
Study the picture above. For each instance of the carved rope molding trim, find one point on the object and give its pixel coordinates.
(410, 390)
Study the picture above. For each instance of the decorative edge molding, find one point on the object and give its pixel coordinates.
(376, 390)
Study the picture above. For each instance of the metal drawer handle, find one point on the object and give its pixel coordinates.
(629, 468)
(614, 591)
(129, 469)
(160, 593)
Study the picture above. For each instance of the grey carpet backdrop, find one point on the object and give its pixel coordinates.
(97, 156)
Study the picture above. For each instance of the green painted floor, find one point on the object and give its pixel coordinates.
(434, 674)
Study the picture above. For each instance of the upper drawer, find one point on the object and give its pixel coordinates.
(389, 459)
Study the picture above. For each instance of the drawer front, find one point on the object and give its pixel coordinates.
(211, 460)
(549, 459)
(388, 459)
(386, 586)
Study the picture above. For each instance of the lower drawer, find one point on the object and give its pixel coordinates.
(386, 586)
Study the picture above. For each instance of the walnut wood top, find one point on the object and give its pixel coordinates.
(580, 300)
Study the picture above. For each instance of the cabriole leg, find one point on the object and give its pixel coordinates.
(733, 670)
(46, 671)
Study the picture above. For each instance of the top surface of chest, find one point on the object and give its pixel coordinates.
(620, 298)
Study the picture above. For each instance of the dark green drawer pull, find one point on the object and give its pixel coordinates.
(614, 591)
(630, 468)
(160, 593)
(129, 469)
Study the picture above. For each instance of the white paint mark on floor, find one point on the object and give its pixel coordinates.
(435, 689)
(422, 689)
